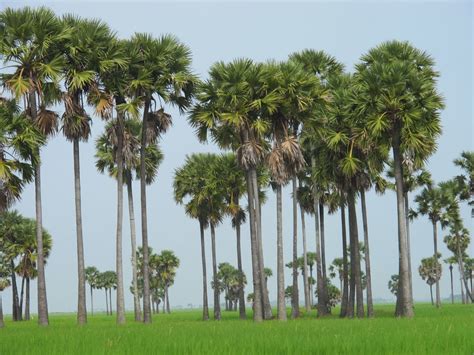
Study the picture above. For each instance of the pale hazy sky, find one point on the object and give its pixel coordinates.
(224, 31)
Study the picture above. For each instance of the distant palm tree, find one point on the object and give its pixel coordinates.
(92, 275)
(430, 271)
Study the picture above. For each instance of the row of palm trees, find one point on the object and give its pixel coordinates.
(302, 121)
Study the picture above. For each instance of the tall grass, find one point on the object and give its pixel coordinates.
(448, 330)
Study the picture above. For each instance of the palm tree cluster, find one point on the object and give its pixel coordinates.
(18, 257)
(305, 122)
(106, 280)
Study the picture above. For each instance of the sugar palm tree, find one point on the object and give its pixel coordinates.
(430, 271)
(106, 160)
(229, 110)
(168, 262)
(161, 72)
(466, 180)
(233, 180)
(189, 183)
(91, 278)
(397, 96)
(30, 40)
(432, 202)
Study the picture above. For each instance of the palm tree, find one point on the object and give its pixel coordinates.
(189, 183)
(161, 72)
(430, 271)
(233, 180)
(106, 159)
(391, 79)
(30, 40)
(91, 277)
(466, 180)
(229, 109)
(451, 260)
(168, 262)
(432, 203)
(4, 283)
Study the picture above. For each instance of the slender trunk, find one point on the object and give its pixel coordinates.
(164, 303)
(307, 301)
(217, 306)
(92, 302)
(356, 280)
(110, 301)
(405, 304)
(370, 306)
(106, 303)
(407, 222)
(168, 309)
(323, 242)
(118, 251)
(133, 238)
(146, 275)
(281, 306)
(257, 288)
(452, 285)
(345, 276)
(320, 287)
(431, 293)
(27, 299)
(463, 298)
(295, 308)
(311, 284)
(157, 306)
(2, 323)
(239, 267)
(81, 276)
(16, 306)
(153, 308)
(435, 245)
(267, 308)
(205, 306)
(463, 276)
(22, 293)
(43, 318)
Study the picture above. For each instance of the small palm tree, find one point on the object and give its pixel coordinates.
(430, 271)
(92, 275)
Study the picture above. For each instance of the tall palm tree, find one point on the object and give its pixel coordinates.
(229, 108)
(391, 78)
(161, 72)
(432, 202)
(29, 42)
(106, 160)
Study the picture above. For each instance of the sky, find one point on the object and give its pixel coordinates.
(264, 30)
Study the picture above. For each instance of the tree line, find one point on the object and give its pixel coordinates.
(332, 135)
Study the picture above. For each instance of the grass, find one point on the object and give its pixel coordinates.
(448, 330)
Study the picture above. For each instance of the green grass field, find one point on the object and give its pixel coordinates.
(449, 330)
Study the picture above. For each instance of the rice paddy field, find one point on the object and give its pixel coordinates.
(449, 330)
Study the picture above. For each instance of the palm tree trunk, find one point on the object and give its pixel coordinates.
(92, 302)
(168, 309)
(435, 245)
(43, 319)
(452, 285)
(146, 275)
(267, 308)
(2, 322)
(205, 306)
(407, 222)
(257, 288)
(217, 306)
(242, 313)
(370, 306)
(311, 284)
(22, 293)
(323, 241)
(307, 301)
(463, 276)
(405, 304)
(295, 307)
(153, 308)
(15, 303)
(281, 306)
(106, 303)
(81, 276)
(118, 251)
(345, 276)
(431, 293)
(27, 299)
(133, 238)
(321, 290)
(356, 280)
(463, 297)
(110, 301)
